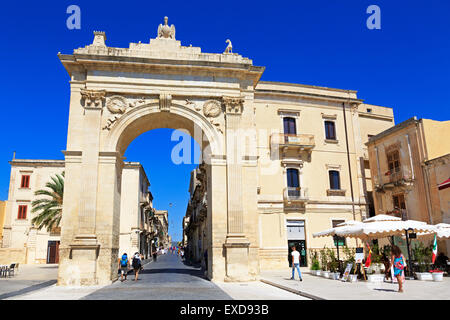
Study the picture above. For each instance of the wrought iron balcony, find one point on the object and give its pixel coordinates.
(300, 142)
(398, 177)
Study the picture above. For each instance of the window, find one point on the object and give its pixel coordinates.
(293, 183)
(335, 181)
(25, 182)
(289, 125)
(399, 201)
(330, 130)
(393, 161)
(338, 240)
(22, 214)
(369, 110)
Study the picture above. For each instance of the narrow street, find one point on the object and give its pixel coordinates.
(167, 278)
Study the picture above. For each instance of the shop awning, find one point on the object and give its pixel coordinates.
(444, 184)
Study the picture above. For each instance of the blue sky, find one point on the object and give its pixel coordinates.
(405, 65)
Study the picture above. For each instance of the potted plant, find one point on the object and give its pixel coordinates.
(437, 274)
(324, 262)
(376, 267)
(349, 256)
(315, 265)
(333, 265)
(422, 255)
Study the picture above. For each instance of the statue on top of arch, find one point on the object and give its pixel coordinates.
(164, 31)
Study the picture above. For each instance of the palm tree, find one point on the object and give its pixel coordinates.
(49, 209)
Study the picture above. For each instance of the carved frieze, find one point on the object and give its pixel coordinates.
(192, 104)
(110, 122)
(117, 104)
(233, 105)
(93, 98)
(212, 108)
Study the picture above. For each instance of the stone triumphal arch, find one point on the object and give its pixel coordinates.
(118, 94)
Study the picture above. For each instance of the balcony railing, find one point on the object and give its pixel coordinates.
(301, 141)
(296, 194)
(400, 176)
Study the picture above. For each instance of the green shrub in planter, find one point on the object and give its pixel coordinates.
(333, 262)
(315, 265)
(323, 259)
(423, 256)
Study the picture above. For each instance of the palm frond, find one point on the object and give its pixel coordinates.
(49, 210)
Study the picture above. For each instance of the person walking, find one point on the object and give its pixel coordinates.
(124, 264)
(295, 263)
(137, 265)
(399, 263)
(154, 253)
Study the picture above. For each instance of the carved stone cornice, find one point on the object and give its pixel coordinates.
(93, 98)
(233, 105)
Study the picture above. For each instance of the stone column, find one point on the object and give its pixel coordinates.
(79, 244)
(236, 243)
(107, 219)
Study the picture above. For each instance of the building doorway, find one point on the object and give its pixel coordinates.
(53, 252)
(296, 237)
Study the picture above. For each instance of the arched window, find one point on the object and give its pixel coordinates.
(335, 180)
(330, 130)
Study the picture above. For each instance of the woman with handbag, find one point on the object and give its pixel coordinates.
(399, 264)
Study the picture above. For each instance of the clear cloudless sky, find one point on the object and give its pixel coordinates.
(405, 65)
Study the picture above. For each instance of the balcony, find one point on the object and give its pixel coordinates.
(295, 198)
(298, 142)
(400, 177)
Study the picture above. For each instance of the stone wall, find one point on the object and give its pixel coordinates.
(12, 255)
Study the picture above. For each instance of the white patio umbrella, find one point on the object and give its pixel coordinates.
(382, 229)
(382, 217)
(341, 227)
(442, 231)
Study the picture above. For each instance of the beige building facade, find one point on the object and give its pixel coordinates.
(2, 218)
(407, 163)
(163, 239)
(136, 209)
(195, 224)
(24, 243)
(282, 161)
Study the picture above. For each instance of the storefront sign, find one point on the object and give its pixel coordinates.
(359, 257)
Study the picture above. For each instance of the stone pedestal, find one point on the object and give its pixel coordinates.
(237, 253)
(84, 250)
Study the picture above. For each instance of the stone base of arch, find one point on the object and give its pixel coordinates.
(237, 257)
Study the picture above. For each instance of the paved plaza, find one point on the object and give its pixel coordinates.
(321, 288)
(169, 278)
(29, 278)
(166, 279)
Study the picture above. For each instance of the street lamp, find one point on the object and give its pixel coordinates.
(404, 215)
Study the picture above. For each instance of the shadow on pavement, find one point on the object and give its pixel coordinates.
(191, 272)
(387, 290)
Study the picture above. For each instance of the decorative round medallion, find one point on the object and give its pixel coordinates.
(116, 104)
(212, 108)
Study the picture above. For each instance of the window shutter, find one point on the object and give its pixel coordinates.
(22, 214)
